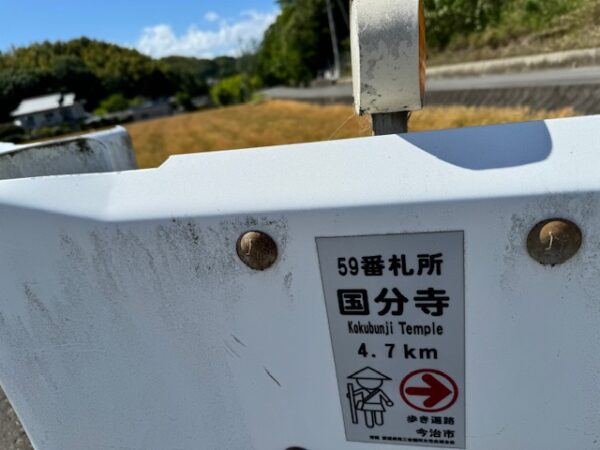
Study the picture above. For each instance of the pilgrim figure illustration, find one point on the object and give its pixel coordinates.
(368, 397)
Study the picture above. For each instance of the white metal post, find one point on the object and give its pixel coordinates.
(388, 60)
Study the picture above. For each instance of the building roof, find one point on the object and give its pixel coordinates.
(44, 103)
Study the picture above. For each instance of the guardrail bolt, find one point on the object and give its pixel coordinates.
(257, 250)
(554, 241)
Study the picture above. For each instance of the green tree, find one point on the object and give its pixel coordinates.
(184, 100)
(113, 103)
(449, 18)
(10, 132)
(16, 84)
(298, 45)
(226, 67)
(189, 75)
(236, 89)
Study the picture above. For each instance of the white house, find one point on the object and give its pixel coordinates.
(48, 111)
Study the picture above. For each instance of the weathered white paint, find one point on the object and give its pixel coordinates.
(105, 151)
(127, 320)
(4, 146)
(386, 55)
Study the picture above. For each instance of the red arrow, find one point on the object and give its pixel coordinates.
(436, 392)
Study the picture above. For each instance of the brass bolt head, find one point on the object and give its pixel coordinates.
(554, 241)
(257, 250)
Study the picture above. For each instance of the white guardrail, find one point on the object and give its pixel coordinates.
(397, 302)
(104, 151)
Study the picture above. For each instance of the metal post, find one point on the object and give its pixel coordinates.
(388, 84)
(390, 123)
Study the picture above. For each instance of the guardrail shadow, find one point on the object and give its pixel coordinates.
(487, 147)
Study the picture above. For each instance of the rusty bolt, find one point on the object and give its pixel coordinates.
(257, 250)
(554, 241)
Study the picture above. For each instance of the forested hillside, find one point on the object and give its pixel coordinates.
(95, 70)
(297, 46)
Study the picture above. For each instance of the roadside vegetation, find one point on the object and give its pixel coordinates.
(469, 30)
(286, 122)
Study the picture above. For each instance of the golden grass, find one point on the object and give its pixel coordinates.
(286, 122)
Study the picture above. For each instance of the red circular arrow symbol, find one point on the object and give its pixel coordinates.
(429, 390)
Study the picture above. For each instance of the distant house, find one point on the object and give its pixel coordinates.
(152, 109)
(48, 111)
(200, 102)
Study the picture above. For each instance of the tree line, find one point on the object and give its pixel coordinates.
(96, 70)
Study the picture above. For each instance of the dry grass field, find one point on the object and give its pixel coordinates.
(285, 122)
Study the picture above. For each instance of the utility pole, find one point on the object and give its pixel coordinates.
(344, 12)
(334, 42)
(390, 123)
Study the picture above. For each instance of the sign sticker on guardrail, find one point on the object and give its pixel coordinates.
(395, 305)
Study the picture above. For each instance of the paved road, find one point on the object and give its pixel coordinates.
(327, 92)
(553, 77)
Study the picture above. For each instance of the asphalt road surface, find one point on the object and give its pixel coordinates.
(554, 77)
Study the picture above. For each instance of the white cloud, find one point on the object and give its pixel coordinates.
(230, 37)
(211, 16)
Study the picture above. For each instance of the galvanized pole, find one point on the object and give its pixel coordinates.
(390, 123)
(334, 42)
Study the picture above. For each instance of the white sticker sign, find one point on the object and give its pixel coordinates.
(395, 305)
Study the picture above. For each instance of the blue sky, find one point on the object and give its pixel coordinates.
(155, 27)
